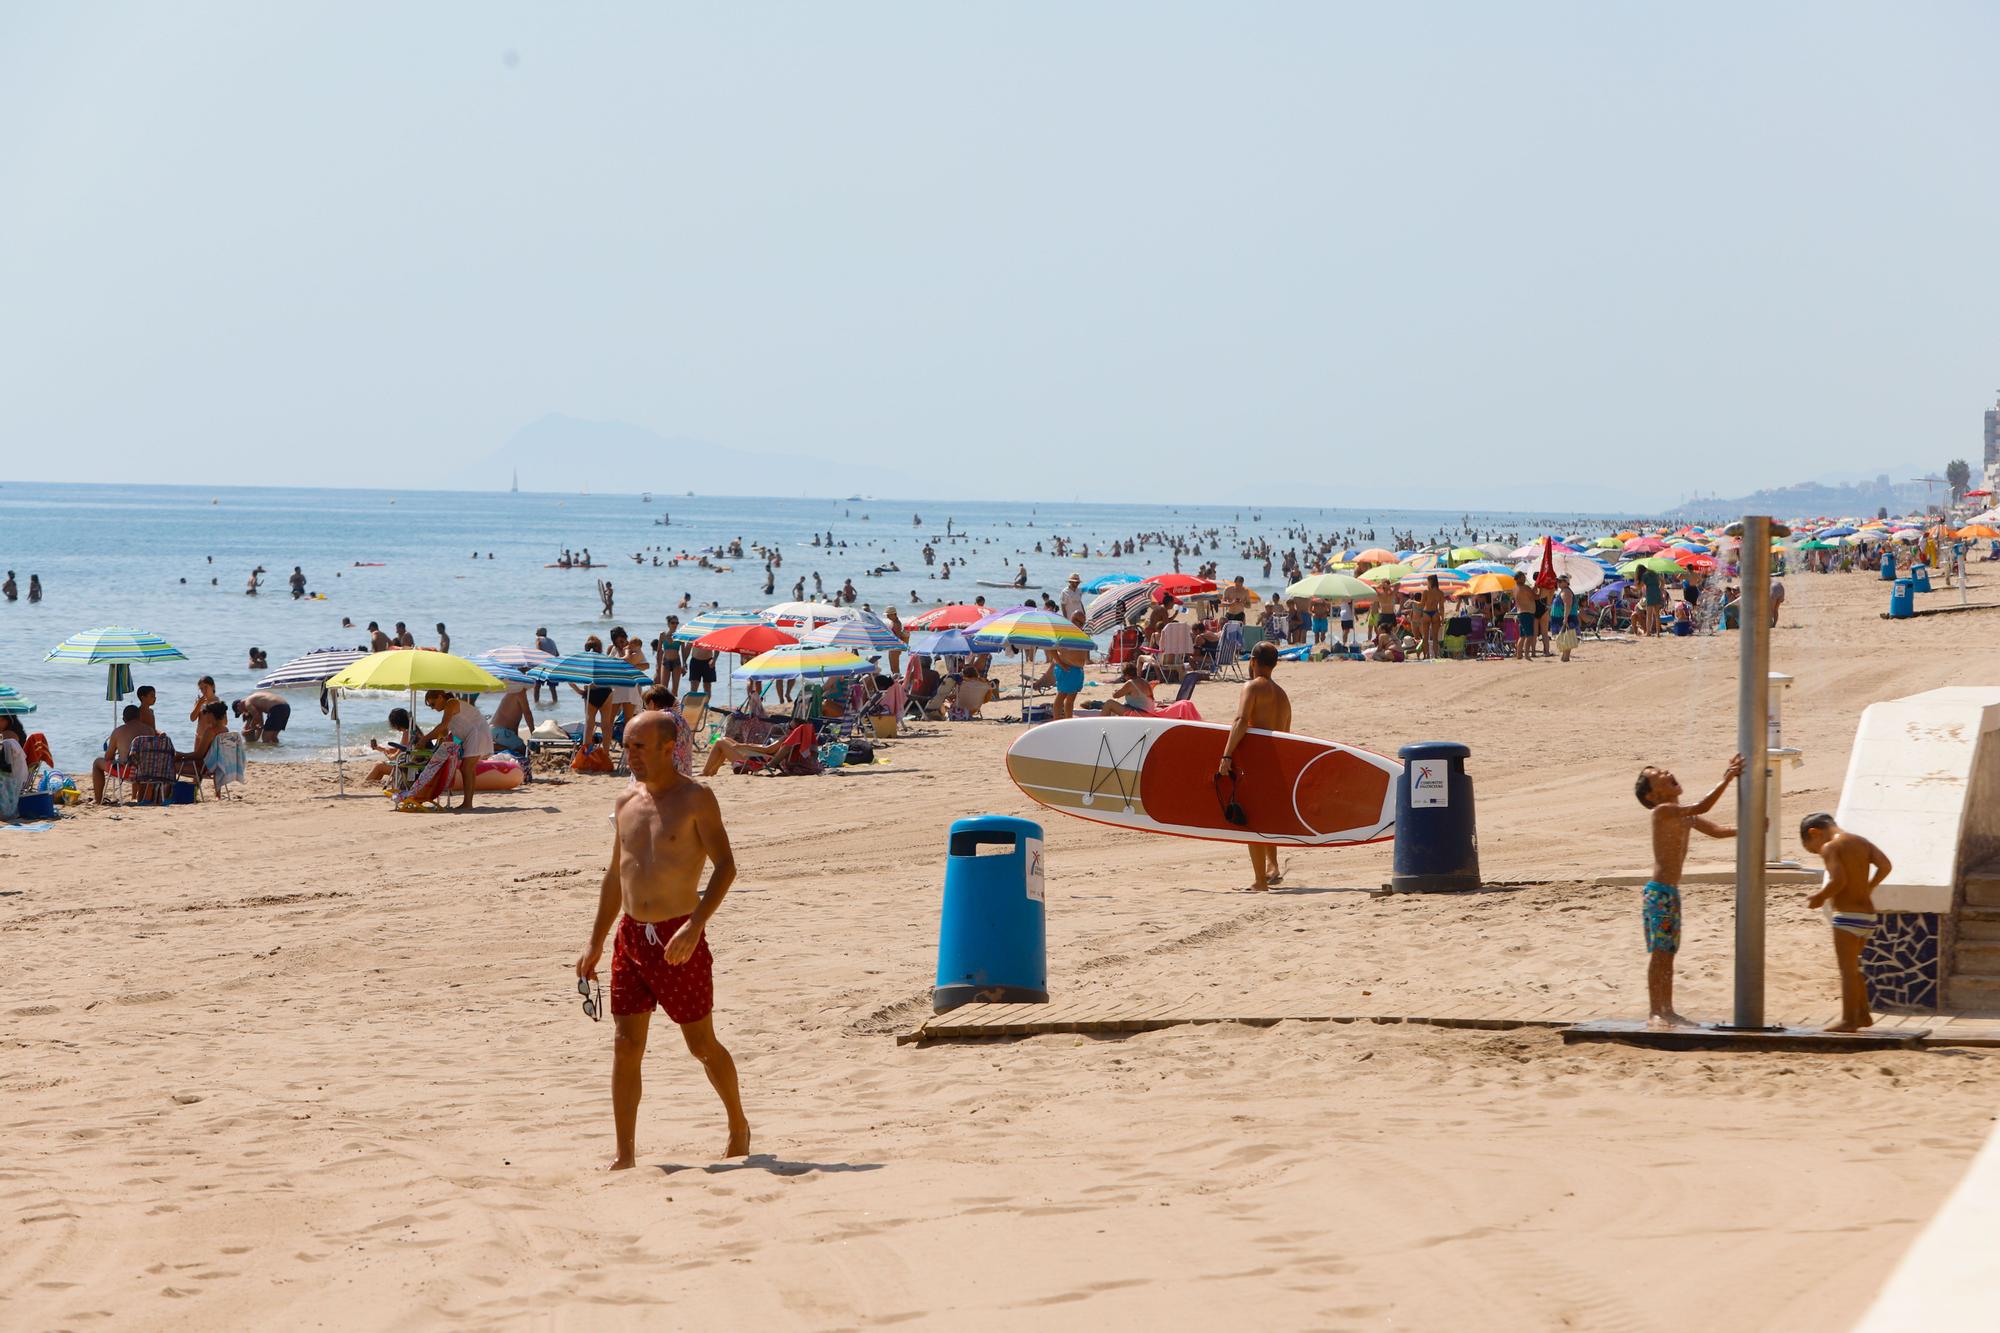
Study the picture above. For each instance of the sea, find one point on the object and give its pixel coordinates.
(175, 560)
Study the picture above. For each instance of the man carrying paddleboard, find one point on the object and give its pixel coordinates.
(1265, 706)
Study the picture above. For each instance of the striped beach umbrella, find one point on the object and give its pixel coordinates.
(1417, 580)
(803, 659)
(501, 671)
(312, 669)
(941, 643)
(589, 668)
(13, 703)
(1029, 628)
(1108, 610)
(860, 634)
(710, 621)
(118, 647)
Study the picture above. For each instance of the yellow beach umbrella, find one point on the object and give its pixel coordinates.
(413, 669)
(1390, 573)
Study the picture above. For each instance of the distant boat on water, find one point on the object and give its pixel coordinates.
(645, 497)
(515, 489)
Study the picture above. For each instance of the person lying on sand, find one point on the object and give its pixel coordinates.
(1660, 792)
(1854, 867)
(1265, 706)
(665, 826)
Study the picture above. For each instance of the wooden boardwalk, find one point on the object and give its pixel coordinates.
(1102, 1015)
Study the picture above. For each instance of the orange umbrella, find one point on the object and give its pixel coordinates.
(1486, 583)
(1978, 530)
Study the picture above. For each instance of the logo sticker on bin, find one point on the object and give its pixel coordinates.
(1428, 785)
(1034, 848)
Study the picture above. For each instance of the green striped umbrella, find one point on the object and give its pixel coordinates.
(11, 702)
(115, 646)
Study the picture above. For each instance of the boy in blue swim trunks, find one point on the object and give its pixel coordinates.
(1660, 792)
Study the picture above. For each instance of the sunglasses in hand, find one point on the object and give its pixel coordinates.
(593, 997)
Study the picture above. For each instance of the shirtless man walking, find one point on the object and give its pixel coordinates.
(666, 826)
(1265, 706)
(1431, 602)
(1660, 792)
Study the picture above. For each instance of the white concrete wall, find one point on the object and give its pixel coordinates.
(1949, 1277)
(1917, 765)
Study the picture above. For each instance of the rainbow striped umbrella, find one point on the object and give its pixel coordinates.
(1029, 629)
(1448, 579)
(117, 647)
(802, 659)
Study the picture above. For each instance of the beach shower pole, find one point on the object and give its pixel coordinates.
(1753, 743)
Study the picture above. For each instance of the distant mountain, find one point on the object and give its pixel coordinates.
(1812, 498)
(565, 453)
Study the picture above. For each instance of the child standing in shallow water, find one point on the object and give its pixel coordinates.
(1660, 792)
(1854, 867)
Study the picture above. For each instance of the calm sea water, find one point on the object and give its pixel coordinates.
(174, 560)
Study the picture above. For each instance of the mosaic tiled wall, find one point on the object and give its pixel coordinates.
(1901, 962)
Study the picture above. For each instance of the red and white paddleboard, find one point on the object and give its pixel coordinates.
(1158, 776)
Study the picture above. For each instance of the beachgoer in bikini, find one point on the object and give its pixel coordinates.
(1265, 706)
(1855, 867)
(1660, 792)
(666, 827)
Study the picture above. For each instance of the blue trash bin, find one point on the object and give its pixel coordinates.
(1437, 840)
(1902, 599)
(1921, 576)
(992, 932)
(1888, 566)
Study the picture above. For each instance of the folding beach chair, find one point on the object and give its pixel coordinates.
(1176, 646)
(226, 761)
(797, 755)
(1229, 651)
(433, 782)
(152, 763)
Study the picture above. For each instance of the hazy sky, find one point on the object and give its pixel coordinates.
(1378, 252)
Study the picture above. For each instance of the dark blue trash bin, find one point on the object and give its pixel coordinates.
(992, 933)
(1437, 839)
(1902, 599)
(1921, 576)
(1888, 566)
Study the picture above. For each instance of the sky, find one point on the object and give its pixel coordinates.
(1381, 253)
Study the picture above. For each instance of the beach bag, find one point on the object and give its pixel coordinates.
(591, 759)
(1566, 641)
(832, 755)
(860, 751)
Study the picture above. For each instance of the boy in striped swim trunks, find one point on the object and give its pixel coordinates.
(1854, 866)
(1660, 792)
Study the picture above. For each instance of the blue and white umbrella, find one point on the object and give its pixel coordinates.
(941, 643)
(501, 671)
(517, 655)
(860, 634)
(313, 669)
(591, 669)
(710, 621)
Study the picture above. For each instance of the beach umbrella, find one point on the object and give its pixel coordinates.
(1419, 579)
(1332, 587)
(314, 670)
(587, 669)
(709, 621)
(803, 660)
(1585, 572)
(1839, 530)
(1979, 530)
(415, 669)
(1027, 627)
(1108, 610)
(517, 655)
(1388, 573)
(862, 634)
(500, 671)
(13, 703)
(1657, 563)
(1487, 567)
(1178, 585)
(118, 647)
(1643, 545)
(1467, 553)
(1482, 584)
(1103, 581)
(958, 615)
(941, 643)
(745, 640)
(1422, 560)
(805, 613)
(1374, 555)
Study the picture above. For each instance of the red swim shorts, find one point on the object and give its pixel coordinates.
(641, 976)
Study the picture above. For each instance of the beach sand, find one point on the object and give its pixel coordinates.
(296, 1060)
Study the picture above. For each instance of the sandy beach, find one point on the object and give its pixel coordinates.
(294, 1060)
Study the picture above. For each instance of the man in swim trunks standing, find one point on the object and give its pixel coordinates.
(1066, 666)
(1265, 706)
(1660, 792)
(1854, 868)
(665, 826)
